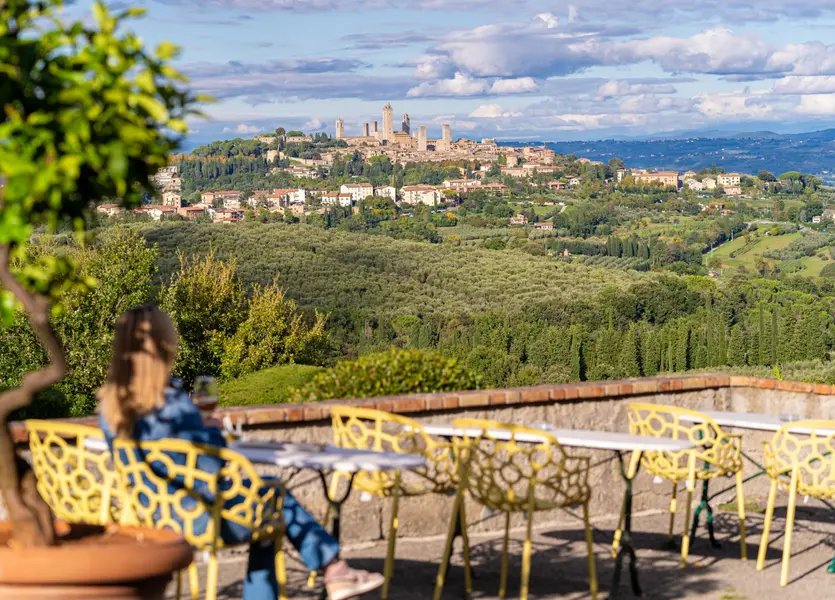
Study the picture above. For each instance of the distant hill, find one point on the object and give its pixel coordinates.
(747, 152)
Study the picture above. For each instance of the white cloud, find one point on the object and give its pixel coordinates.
(313, 124)
(519, 85)
(745, 105)
(615, 88)
(549, 19)
(572, 13)
(818, 104)
(492, 111)
(459, 85)
(242, 128)
(802, 84)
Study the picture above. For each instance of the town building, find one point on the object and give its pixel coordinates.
(459, 184)
(340, 129)
(386, 191)
(227, 215)
(728, 179)
(298, 139)
(732, 190)
(695, 185)
(172, 199)
(709, 183)
(665, 178)
(421, 139)
(110, 210)
(420, 194)
(157, 213)
(388, 122)
(544, 225)
(519, 220)
(166, 176)
(446, 137)
(555, 185)
(515, 172)
(816, 219)
(406, 125)
(285, 197)
(358, 191)
(343, 199)
(366, 129)
(191, 212)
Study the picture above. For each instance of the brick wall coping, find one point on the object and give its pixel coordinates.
(263, 415)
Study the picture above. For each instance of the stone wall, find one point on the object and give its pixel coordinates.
(599, 406)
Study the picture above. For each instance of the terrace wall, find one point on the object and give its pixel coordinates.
(601, 406)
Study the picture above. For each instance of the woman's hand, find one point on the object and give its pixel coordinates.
(213, 421)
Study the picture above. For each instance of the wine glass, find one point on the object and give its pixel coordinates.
(205, 395)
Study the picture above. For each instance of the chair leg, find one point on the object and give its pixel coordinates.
(456, 511)
(388, 570)
(503, 577)
(691, 484)
(526, 549)
(740, 508)
(194, 581)
(211, 577)
(618, 531)
(769, 514)
(179, 584)
(280, 568)
(787, 545)
(465, 547)
(670, 543)
(590, 550)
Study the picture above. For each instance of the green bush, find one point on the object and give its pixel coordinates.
(387, 373)
(269, 386)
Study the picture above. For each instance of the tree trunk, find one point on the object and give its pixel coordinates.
(29, 514)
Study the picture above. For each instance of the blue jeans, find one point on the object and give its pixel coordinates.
(317, 548)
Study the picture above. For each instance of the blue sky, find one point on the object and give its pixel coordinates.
(515, 69)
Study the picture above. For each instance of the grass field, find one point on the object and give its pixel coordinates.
(813, 265)
(749, 257)
(270, 386)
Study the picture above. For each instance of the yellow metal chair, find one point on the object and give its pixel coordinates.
(719, 453)
(808, 463)
(79, 485)
(511, 476)
(369, 429)
(168, 485)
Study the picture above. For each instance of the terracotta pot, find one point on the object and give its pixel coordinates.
(116, 563)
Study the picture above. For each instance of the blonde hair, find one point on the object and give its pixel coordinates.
(144, 349)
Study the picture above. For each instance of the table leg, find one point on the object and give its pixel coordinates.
(623, 544)
(705, 505)
(335, 506)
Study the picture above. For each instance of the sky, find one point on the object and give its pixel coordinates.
(512, 69)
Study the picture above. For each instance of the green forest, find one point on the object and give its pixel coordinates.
(256, 295)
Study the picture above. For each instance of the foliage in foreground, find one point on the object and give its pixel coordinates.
(387, 373)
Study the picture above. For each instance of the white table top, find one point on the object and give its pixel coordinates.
(325, 457)
(754, 421)
(309, 456)
(577, 438)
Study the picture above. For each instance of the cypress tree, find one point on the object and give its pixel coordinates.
(650, 351)
(671, 349)
(761, 337)
(577, 373)
(736, 346)
(723, 345)
(629, 359)
(774, 338)
(683, 347)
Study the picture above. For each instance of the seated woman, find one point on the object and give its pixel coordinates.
(141, 401)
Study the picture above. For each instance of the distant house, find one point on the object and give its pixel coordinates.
(172, 199)
(420, 194)
(709, 183)
(285, 197)
(227, 215)
(495, 188)
(515, 172)
(665, 178)
(695, 185)
(336, 199)
(111, 210)
(519, 220)
(358, 191)
(816, 219)
(728, 179)
(459, 184)
(565, 252)
(732, 190)
(386, 191)
(574, 181)
(828, 214)
(556, 185)
(544, 225)
(157, 213)
(192, 212)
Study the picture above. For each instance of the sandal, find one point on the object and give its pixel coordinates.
(353, 583)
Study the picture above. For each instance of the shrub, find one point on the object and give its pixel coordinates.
(387, 373)
(274, 333)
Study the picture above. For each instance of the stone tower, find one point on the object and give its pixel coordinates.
(388, 122)
(421, 139)
(406, 126)
(340, 129)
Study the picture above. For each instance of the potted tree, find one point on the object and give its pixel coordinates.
(88, 114)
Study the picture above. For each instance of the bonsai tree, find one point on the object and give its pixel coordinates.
(88, 114)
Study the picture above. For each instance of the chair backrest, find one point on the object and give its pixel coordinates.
(79, 485)
(173, 484)
(812, 455)
(503, 474)
(370, 429)
(662, 421)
